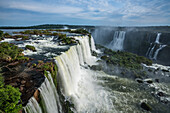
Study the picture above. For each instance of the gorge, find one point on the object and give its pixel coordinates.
(86, 77)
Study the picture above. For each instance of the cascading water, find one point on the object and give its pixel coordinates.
(118, 41)
(90, 91)
(157, 51)
(157, 38)
(150, 53)
(92, 44)
(32, 106)
(49, 97)
(80, 84)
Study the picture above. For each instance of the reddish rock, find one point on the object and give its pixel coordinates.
(21, 88)
(36, 95)
(23, 82)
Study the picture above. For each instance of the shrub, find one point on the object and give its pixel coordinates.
(6, 35)
(32, 48)
(125, 59)
(9, 98)
(80, 31)
(1, 33)
(10, 52)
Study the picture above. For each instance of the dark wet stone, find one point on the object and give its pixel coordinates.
(160, 94)
(96, 67)
(157, 80)
(146, 106)
(149, 81)
(150, 70)
(164, 70)
(139, 80)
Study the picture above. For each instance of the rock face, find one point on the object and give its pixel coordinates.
(27, 79)
(36, 95)
(137, 41)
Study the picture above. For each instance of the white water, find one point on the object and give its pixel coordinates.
(150, 52)
(157, 38)
(49, 97)
(157, 51)
(32, 106)
(80, 84)
(93, 44)
(118, 41)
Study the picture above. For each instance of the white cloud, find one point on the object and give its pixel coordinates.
(42, 7)
(103, 11)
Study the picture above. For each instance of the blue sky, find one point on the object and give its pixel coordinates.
(85, 12)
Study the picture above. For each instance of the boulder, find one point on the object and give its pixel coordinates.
(160, 94)
(146, 106)
(149, 81)
(139, 80)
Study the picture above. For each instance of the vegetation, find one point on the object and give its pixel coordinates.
(48, 66)
(32, 48)
(80, 31)
(9, 98)
(47, 26)
(124, 59)
(23, 37)
(66, 40)
(7, 35)
(10, 52)
(1, 35)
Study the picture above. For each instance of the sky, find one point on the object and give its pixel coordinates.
(85, 12)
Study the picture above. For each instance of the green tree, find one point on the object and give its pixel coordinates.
(9, 98)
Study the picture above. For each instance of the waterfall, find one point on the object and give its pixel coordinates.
(49, 97)
(93, 44)
(157, 38)
(150, 53)
(157, 51)
(118, 41)
(32, 106)
(80, 84)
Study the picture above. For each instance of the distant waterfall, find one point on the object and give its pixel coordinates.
(153, 52)
(80, 84)
(118, 41)
(157, 38)
(93, 44)
(49, 97)
(157, 51)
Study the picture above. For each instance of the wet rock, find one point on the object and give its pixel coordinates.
(146, 106)
(160, 94)
(149, 81)
(150, 70)
(164, 70)
(36, 95)
(139, 80)
(96, 67)
(123, 73)
(94, 53)
(157, 80)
